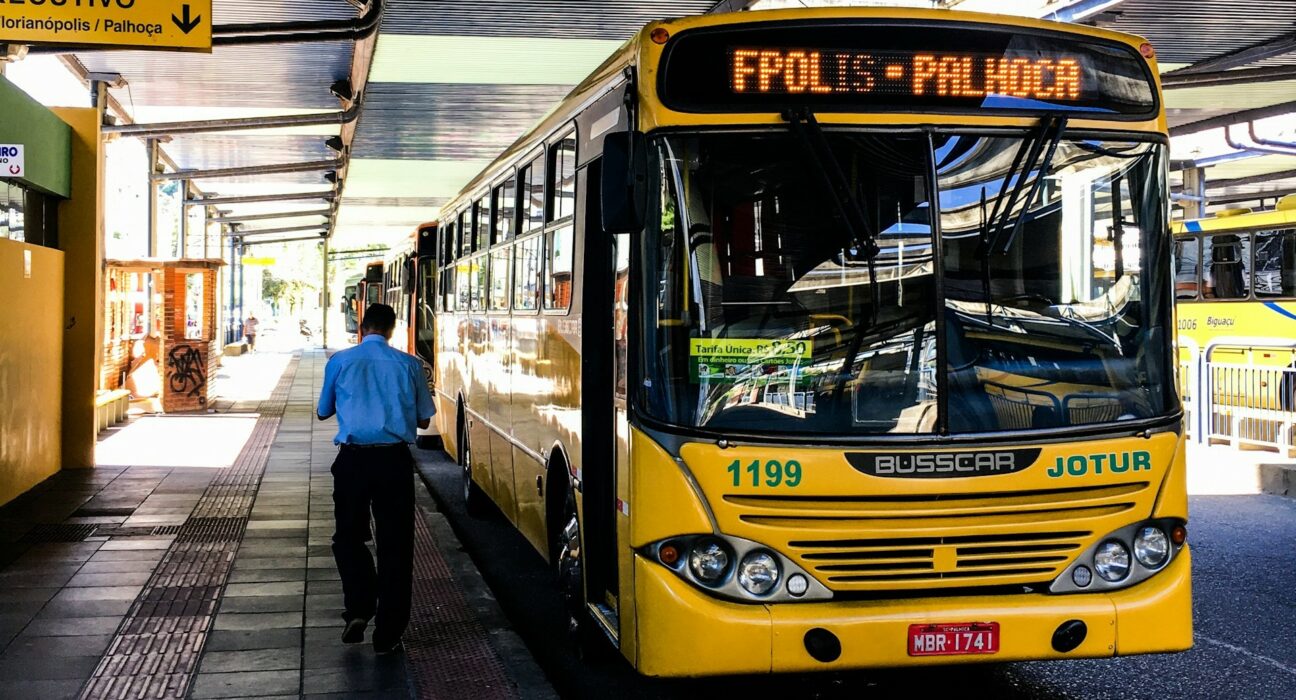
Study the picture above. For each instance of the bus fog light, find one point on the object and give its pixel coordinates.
(1112, 561)
(797, 585)
(758, 573)
(709, 561)
(1151, 547)
(1082, 576)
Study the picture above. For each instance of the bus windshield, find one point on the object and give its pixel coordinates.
(764, 312)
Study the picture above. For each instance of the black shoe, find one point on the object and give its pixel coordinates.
(354, 632)
(384, 648)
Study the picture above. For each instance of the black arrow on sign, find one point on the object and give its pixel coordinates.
(186, 25)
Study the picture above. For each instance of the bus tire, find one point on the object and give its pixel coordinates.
(474, 498)
(582, 628)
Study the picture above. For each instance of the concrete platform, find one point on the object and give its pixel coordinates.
(198, 565)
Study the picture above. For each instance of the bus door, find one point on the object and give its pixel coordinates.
(601, 413)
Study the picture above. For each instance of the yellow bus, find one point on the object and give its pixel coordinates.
(1235, 284)
(823, 339)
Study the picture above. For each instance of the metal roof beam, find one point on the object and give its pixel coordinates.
(317, 239)
(265, 217)
(1244, 76)
(1227, 120)
(214, 125)
(287, 229)
(1251, 54)
(311, 166)
(1253, 196)
(1248, 180)
(327, 195)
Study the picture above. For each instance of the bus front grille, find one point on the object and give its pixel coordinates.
(912, 541)
(961, 560)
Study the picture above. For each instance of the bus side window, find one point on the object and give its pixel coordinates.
(481, 224)
(1227, 256)
(562, 186)
(1275, 264)
(527, 272)
(504, 200)
(1187, 255)
(531, 182)
(558, 269)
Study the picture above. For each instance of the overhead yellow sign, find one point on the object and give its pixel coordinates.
(144, 24)
(261, 262)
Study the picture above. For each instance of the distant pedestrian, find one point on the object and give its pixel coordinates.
(250, 331)
(380, 398)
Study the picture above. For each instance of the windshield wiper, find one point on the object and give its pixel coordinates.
(807, 129)
(1027, 160)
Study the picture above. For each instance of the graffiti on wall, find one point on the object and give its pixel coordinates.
(186, 371)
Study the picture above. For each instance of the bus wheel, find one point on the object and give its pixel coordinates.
(474, 498)
(571, 581)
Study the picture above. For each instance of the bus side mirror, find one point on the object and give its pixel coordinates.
(624, 187)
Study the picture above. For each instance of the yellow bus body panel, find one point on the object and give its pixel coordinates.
(692, 634)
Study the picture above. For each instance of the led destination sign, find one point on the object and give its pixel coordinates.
(867, 66)
(800, 71)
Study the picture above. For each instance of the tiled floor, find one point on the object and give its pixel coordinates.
(276, 632)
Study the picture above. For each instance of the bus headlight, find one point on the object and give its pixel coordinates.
(1112, 561)
(709, 561)
(1152, 547)
(758, 573)
(1123, 558)
(735, 569)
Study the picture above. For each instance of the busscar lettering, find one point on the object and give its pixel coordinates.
(944, 462)
(801, 71)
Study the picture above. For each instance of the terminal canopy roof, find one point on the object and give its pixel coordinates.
(394, 105)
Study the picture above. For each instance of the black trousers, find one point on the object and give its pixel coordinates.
(377, 480)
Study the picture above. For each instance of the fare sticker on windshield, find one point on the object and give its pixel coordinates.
(732, 359)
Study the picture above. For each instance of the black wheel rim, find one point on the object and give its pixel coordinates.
(569, 566)
(465, 457)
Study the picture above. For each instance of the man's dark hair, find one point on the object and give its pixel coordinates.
(379, 318)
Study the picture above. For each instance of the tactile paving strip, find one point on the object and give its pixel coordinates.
(156, 650)
(448, 652)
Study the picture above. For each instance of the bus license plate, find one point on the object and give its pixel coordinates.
(954, 638)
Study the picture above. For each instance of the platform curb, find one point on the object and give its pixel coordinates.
(1278, 479)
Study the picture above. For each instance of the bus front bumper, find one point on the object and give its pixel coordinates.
(684, 632)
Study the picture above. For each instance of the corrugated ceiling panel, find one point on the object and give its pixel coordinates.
(448, 122)
(1190, 31)
(570, 19)
(233, 150)
(263, 11)
(289, 75)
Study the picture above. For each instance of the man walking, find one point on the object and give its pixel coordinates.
(379, 396)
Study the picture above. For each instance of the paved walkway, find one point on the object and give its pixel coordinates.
(196, 563)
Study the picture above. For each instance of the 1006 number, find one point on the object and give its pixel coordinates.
(771, 472)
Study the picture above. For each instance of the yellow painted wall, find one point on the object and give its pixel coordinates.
(31, 368)
(81, 238)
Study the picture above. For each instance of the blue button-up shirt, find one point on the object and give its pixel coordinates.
(378, 393)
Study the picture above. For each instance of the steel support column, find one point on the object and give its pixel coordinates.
(1194, 190)
(325, 302)
(151, 246)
